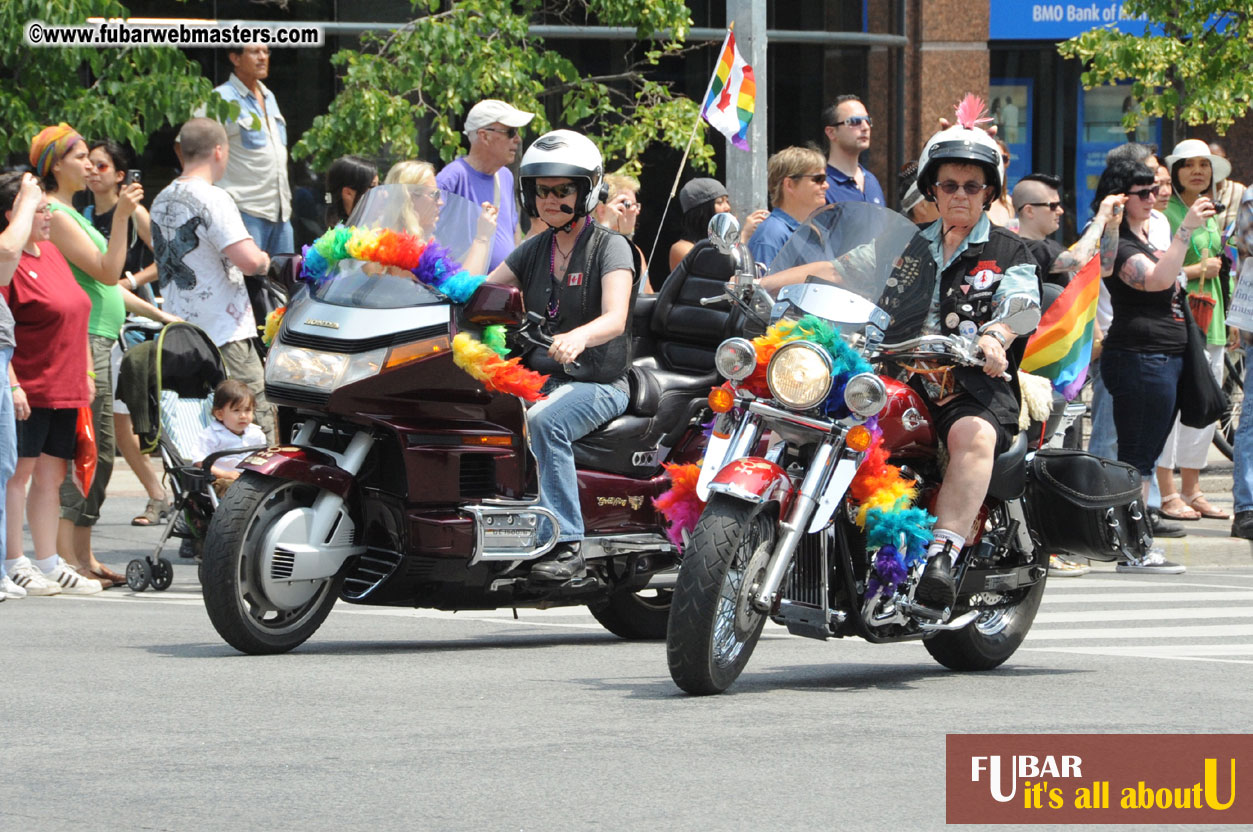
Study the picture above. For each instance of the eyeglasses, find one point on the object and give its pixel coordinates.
(1005, 158)
(44, 209)
(816, 178)
(950, 187)
(511, 132)
(560, 191)
(1144, 193)
(428, 193)
(101, 166)
(856, 121)
(1052, 206)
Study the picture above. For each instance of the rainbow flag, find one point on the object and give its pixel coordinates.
(732, 95)
(1061, 347)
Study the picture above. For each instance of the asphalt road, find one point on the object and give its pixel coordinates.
(126, 712)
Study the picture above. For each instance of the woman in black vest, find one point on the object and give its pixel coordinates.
(579, 275)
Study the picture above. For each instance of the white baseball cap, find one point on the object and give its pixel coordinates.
(490, 111)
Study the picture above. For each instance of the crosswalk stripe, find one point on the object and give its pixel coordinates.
(1087, 582)
(1132, 633)
(1130, 597)
(1163, 614)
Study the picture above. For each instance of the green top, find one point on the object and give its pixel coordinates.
(108, 309)
(1204, 239)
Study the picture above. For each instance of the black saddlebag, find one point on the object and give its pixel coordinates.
(1086, 506)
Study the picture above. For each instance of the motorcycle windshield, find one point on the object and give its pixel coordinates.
(855, 246)
(425, 212)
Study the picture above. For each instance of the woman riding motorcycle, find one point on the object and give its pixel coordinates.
(579, 276)
(961, 275)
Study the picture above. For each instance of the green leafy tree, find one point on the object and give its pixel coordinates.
(432, 70)
(122, 94)
(1196, 73)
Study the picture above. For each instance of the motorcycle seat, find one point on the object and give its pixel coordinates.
(1009, 471)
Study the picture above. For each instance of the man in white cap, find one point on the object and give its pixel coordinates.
(482, 174)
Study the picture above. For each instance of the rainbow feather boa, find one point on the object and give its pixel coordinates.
(894, 527)
(430, 263)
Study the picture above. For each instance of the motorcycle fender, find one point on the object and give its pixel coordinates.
(715, 451)
(309, 465)
(755, 480)
(833, 494)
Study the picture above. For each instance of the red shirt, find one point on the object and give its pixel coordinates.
(51, 312)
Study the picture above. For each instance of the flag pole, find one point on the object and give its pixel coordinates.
(674, 187)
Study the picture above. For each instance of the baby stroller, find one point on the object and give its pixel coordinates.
(167, 382)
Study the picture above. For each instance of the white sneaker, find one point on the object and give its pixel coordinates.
(28, 577)
(1153, 563)
(8, 589)
(71, 582)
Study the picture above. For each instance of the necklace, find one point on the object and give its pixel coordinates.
(554, 292)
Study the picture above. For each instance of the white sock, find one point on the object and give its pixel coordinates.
(943, 536)
(46, 565)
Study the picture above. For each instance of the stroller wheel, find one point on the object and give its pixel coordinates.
(138, 574)
(162, 575)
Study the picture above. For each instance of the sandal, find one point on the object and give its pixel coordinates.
(156, 512)
(1202, 505)
(107, 577)
(1184, 513)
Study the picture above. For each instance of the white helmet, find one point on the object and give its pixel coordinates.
(964, 143)
(569, 155)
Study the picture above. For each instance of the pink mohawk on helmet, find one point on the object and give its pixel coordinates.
(970, 112)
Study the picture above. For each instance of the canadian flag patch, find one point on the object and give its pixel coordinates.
(574, 279)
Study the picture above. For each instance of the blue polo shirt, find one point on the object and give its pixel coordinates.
(774, 231)
(842, 188)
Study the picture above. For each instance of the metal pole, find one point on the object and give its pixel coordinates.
(746, 172)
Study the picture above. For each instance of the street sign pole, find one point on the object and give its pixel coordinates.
(746, 172)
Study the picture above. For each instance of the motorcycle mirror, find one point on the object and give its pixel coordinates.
(493, 303)
(724, 232)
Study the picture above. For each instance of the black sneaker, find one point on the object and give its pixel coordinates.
(563, 563)
(936, 588)
(1161, 527)
(1242, 525)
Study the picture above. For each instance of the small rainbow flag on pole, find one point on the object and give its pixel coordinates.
(1061, 347)
(732, 95)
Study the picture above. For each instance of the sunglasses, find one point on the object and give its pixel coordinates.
(559, 191)
(856, 121)
(511, 132)
(101, 166)
(1005, 159)
(1052, 206)
(816, 178)
(971, 188)
(1144, 193)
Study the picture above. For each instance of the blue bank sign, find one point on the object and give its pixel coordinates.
(1032, 20)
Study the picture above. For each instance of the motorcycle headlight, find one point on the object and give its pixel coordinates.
(799, 375)
(320, 370)
(736, 358)
(865, 394)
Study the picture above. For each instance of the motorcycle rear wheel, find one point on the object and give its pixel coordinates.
(641, 615)
(234, 590)
(713, 628)
(991, 639)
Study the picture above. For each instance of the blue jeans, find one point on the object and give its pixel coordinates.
(1142, 386)
(1242, 488)
(270, 236)
(8, 439)
(1103, 441)
(570, 412)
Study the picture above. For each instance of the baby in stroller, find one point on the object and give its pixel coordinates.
(230, 429)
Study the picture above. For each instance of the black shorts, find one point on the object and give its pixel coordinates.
(967, 405)
(51, 431)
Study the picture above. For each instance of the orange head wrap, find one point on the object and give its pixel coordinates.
(52, 143)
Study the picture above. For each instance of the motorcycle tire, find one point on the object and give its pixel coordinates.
(990, 639)
(234, 593)
(635, 615)
(713, 629)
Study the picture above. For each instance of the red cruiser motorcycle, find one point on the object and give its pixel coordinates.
(779, 538)
(409, 484)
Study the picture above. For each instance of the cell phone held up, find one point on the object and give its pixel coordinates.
(133, 176)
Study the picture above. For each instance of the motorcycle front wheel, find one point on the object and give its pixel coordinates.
(237, 595)
(713, 627)
(990, 639)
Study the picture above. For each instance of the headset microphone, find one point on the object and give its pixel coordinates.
(565, 209)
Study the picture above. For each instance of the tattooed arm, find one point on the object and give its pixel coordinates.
(1140, 272)
(1101, 235)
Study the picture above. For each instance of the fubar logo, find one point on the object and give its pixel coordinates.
(1099, 778)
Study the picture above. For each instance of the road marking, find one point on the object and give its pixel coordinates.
(1130, 597)
(1193, 654)
(1200, 631)
(1084, 583)
(1164, 614)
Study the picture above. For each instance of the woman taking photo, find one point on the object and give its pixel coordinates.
(1193, 171)
(1143, 350)
(61, 157)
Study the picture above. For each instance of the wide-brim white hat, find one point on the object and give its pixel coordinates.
(1191, 149)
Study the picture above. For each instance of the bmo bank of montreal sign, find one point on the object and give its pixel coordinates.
(1030, 20)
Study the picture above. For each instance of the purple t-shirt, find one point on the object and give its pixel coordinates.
(459, 178)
